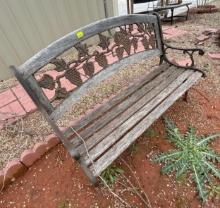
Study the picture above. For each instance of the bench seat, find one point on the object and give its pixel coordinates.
(110, 130)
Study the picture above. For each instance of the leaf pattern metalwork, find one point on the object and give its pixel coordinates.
(82, 50)
(74, 77)
(135, 43)
(101, 59)
(131, 28)
(124, 31)
(145, 43)
(47, 82)
(59, 63)
(61, 93)
(104, 41)
(121, 38)
(119, 52)
(121, 41)
(89, 68)
(141, 27)
(127, 47)
(152, 41)
(117, 38)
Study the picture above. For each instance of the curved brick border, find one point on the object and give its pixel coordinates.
(215, 56)
(17, 167)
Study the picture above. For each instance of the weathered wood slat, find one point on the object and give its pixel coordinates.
(129, 107)
(121, 107)
(56, 48)
(134, 133)
(102, 75)
(85, 121)
(133, 120)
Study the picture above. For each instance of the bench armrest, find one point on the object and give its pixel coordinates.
(189, 51)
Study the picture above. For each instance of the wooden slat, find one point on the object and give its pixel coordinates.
(139, 129)
(56, 48)
(132, 121)
(86, 120)
(129, 107)
(76, 95)
(121, 107)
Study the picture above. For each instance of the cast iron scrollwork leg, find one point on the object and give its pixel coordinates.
(189, 51)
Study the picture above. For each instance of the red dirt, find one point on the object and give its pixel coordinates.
(57, 181)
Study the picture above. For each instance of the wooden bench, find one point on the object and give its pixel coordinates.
(110, 129)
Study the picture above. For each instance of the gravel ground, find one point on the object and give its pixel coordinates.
(20, 136)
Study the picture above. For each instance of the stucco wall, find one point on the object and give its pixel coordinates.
(26, 26)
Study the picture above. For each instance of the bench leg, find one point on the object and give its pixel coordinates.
(172, 16)
(161, 60)
(187, 13)
(185, 96)
(88, 173)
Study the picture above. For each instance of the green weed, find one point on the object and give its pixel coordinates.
(64, 204)
(150, 133)
(111, 174)
(193, 155)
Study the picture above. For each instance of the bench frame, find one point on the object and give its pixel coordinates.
(172, 7)
(25, 73)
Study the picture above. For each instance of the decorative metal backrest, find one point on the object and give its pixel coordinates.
(121, 40)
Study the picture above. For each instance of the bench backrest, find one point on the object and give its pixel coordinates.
(121, 41)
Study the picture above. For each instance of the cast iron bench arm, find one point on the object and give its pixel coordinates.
(189, 51)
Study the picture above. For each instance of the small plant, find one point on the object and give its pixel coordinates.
(150, 133)
(214, 191)
(111, 174)
(133, 148)
(64, 204)
(193, 155)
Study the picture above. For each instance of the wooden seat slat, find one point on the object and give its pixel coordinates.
(87, 120)
(121, 106)
(140, 127)
(135, 103)
(140, 114)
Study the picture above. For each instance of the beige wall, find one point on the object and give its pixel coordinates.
(26, 26)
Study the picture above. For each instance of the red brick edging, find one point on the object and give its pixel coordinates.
(17, 167)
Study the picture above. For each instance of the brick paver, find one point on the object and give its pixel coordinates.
(27, 104)
(215, 56)
(19, 91)
(6, 97)
(11, 113)
(172, 32)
